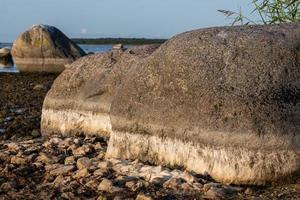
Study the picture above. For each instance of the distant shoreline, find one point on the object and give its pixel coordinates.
(99, 41)
(130, 41)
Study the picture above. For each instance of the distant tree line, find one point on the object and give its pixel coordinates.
(130, 41)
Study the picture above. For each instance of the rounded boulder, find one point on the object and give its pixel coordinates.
(223, 101)
(80, 98)
(44, 48)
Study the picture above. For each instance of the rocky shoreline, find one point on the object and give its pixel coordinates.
(32, 167)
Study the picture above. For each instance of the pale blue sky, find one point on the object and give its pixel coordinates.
(115, 18)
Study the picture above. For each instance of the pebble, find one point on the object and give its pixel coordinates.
(105, 185)
(70, 160)
(83, 163)
(43, 158)
(249, 191)
(82, 151)
(36, 133)
(174, 183)
(81, 173)
(62, 170)
(19, 160)
(104, 165)
(78, 169)
(143, 197)
(38, 87)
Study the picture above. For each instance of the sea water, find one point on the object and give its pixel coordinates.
(86, 47)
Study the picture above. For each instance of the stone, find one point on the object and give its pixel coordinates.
(38, 87)
(8, 186)
(174, 183)
(83, 150)
(44, 48)
(18, 160)
(81, 173)
(55, 140)
(65, 143)
(80, 98)
(98, 146)
(101, 198)
(105, 185)
(118, 47)
(58, 180)
(5, 57)
(13, 146)
(216, 193)
(83, 163)
(92, 184)
(68, 195)
(249, 191)
(143, 197)
(62, 170)
(36, 133)
(70, 160)
(228, 97)
(100, 172)
(43, 158)
(104, 165)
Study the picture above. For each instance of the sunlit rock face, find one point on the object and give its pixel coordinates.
(80, 98)
(223, 101)
(44, 48)
(5, 57)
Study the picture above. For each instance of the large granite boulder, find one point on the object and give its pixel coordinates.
(44, 48)
(223, 101)
(5, 57)
(80, 98)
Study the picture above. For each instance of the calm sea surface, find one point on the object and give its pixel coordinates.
(86, 47)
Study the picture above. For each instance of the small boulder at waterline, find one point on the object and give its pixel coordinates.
(44, 48)
(223, 101)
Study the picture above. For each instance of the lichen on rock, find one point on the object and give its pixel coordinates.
(44, 48)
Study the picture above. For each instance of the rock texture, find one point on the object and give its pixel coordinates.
(5, 57)
(47, 168)
(80, 98)
(223, 101)
(44, 48)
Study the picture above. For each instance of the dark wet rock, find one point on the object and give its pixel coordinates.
(5, 57)
(36, 133)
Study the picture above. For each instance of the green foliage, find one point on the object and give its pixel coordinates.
(270, 12)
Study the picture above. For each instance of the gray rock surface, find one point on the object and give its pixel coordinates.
(80, 98)
(44, 48)
(223, 101)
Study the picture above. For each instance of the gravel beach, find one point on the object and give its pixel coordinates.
(32, 167)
